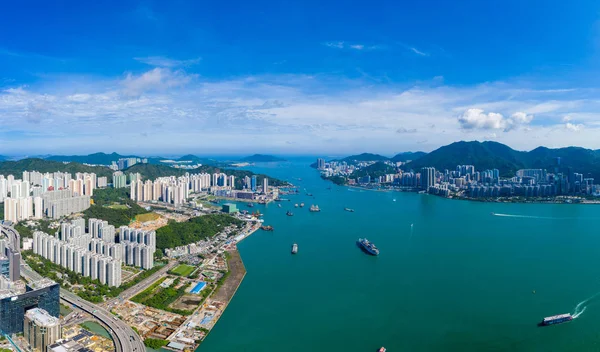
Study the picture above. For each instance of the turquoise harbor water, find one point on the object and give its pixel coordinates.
(461, 279)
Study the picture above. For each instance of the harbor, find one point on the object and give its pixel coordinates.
(418, 264)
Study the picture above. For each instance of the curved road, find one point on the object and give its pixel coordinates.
(125, 339)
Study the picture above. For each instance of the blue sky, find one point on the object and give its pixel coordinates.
(299, 77)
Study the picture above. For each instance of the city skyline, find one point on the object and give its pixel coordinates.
(212, 79)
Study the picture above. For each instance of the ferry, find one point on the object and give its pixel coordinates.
(294, 248)
(314, 208)
(556, 319)
(289, 213)
(350, 210)
(368, 246)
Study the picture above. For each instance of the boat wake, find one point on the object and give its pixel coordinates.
(582, 306)
(531, 217)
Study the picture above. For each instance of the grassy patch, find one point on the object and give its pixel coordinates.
(147, 217)
(183, 270)
(118, 207)
(140, 297)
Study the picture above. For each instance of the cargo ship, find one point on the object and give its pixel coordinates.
(350, 210)
(368, 246)
(294, 248)
(556, 319)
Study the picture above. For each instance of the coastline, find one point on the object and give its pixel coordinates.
(556, 200)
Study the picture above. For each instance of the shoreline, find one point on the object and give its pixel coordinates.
(566, 200)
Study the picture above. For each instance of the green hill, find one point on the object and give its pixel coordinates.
(375, 170)
(407, 156)
(16, 168)
(364, 157)
(195, 229)
(96, 158)
(493, 155)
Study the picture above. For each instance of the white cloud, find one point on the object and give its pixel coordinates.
(161, 61)
(149, 112)
(357, 46)
(477, 119)
(573, 127)
(155, 79)
(345, 45)
(567, 118)
(418, 52)
(338, 45)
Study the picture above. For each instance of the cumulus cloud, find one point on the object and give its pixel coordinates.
(478, 119)
(161, 61)
(573, 127)
(473, 119)
(155, 79)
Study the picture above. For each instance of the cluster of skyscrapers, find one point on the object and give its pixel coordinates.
(52, 195)
(97, 254)
(176, 190)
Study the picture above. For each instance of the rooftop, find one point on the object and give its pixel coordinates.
(41, 317)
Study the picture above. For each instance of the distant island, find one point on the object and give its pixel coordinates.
(477, 170)
(261, 158)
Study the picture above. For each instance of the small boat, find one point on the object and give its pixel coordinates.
(382, 349)
(294, 248)
(556, 319)
(250, 205)
(368, 246)
(301, 205)
(296, 205)
(289, 213)
(309, 194)
(492, 213)
(393, 200)
(267, 228)
(279, 205)
(314, 208)
(350, 210)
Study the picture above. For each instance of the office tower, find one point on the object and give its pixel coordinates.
(320, 163)
(265, 185)
(44, 295)
(253, 183)
(41, 329)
